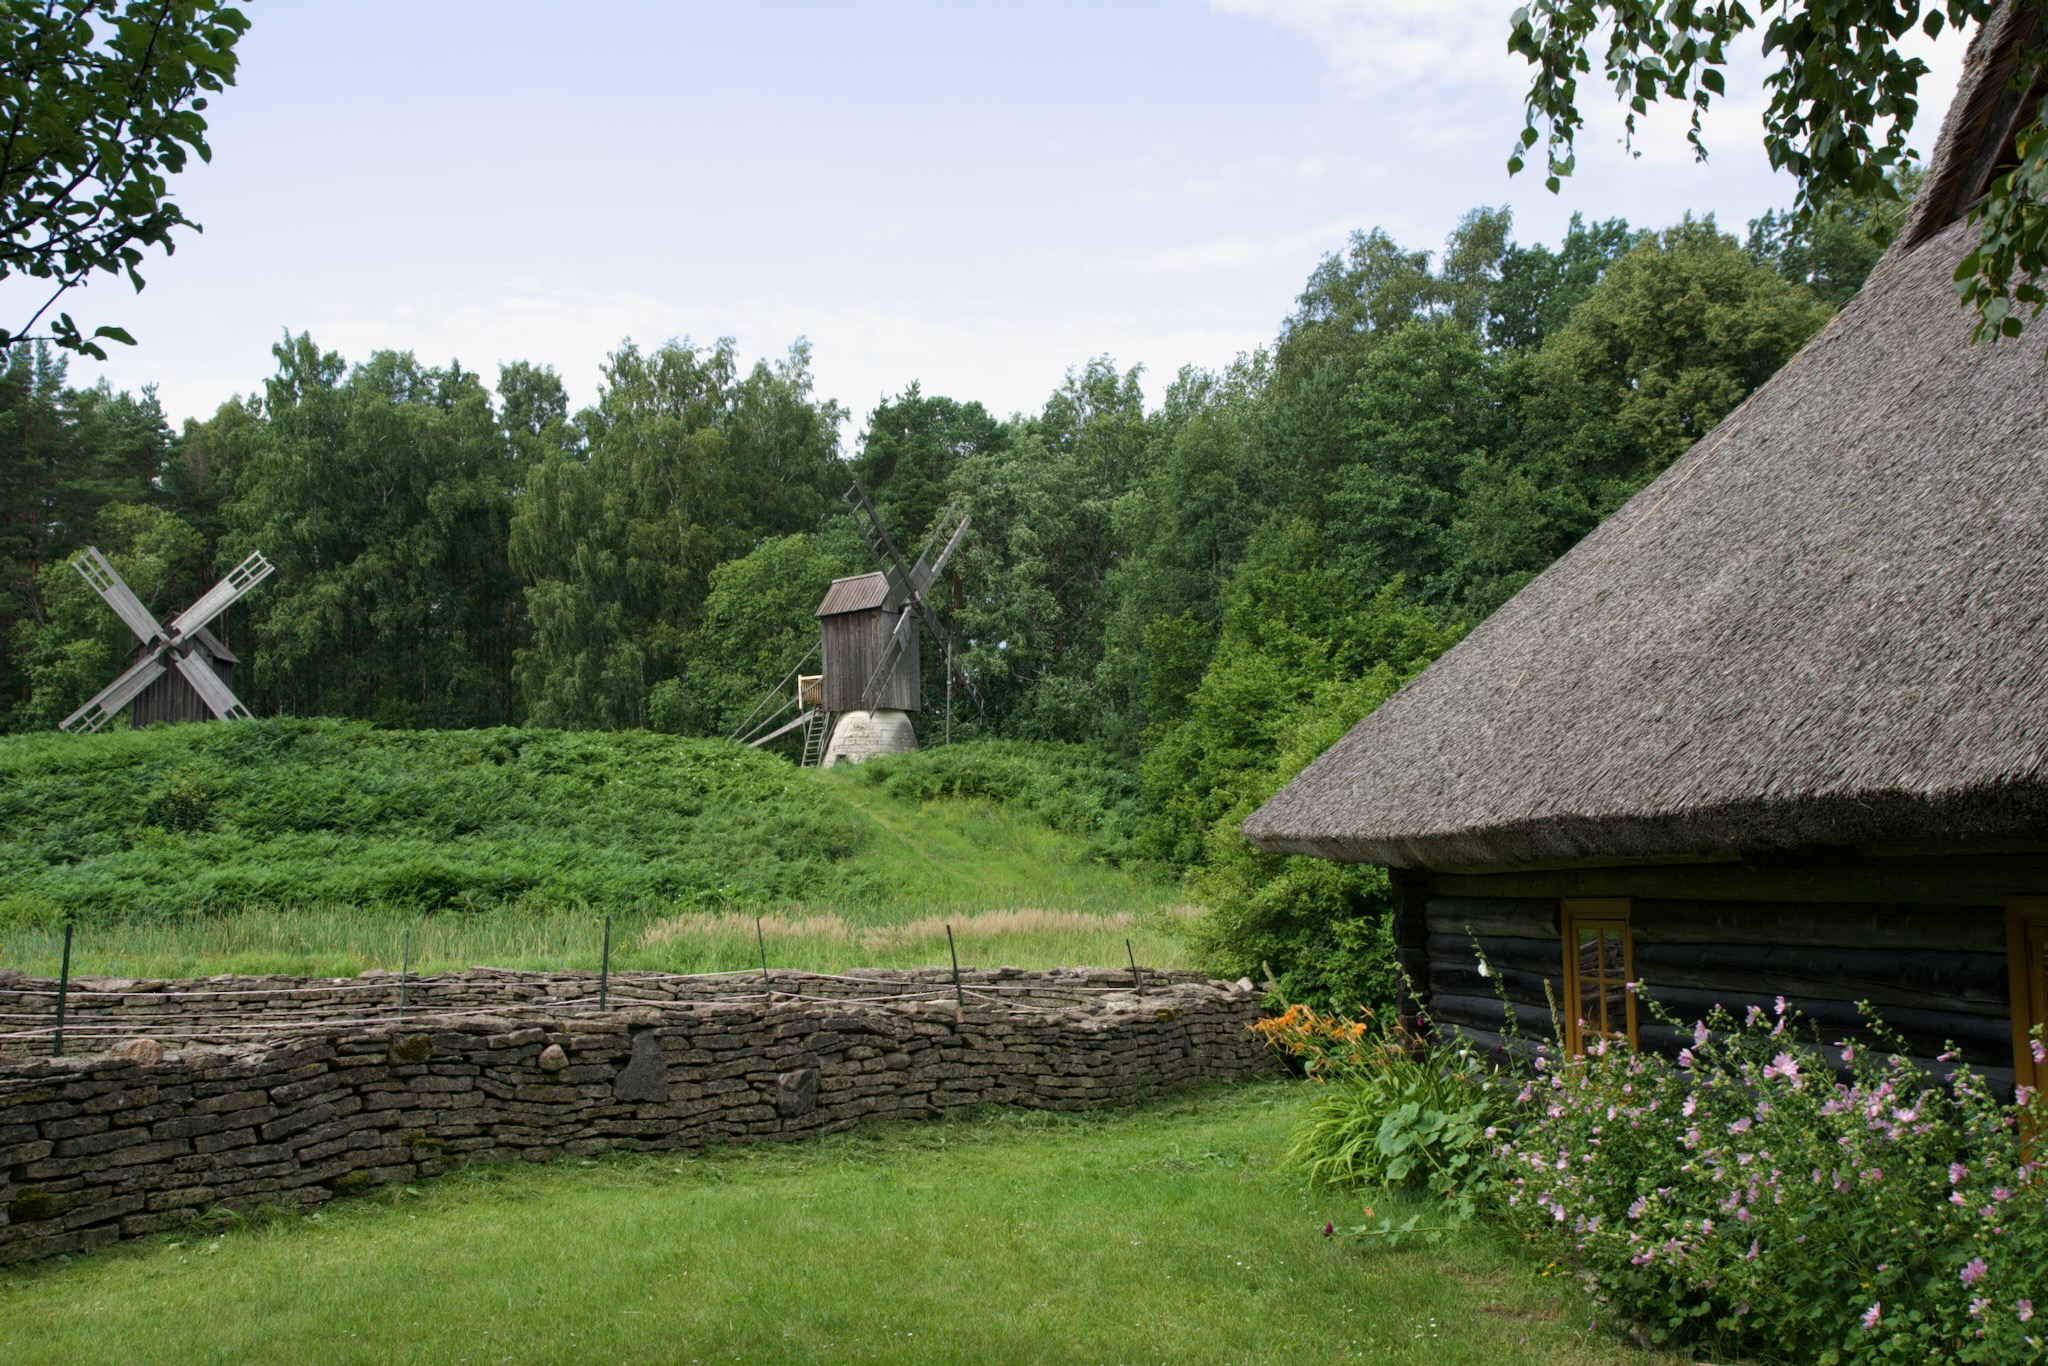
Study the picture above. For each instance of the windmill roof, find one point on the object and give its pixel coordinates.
(1826, 624)
(861, 593)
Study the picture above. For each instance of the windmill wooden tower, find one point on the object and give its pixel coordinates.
(870, 679)
(181, 671)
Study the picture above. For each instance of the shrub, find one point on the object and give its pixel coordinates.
(1324, 928)
(1076, 789)
(1391, 1116)
(1752, 1196)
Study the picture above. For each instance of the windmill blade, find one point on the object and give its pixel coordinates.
(108, 701)
(937, 534)
(214, 693)
(923, 576)
(222, 595)
(880, 544)
(94, 569)
(892, 653)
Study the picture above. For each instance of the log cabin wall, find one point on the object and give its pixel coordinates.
(1922, 939)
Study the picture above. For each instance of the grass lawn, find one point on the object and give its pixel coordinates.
(1160, 1236)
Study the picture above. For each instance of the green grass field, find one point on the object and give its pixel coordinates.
(1159, 1236)
(316, 847)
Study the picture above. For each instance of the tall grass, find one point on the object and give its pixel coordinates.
(344, 941)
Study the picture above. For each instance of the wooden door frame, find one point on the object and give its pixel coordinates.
(1578, 913)
(2026, 947)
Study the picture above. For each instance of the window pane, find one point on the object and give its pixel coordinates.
(1587, 1007)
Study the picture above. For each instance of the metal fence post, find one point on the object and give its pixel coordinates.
(1137, 981)
(762, 941)
(604, 969)
(959, 998)
(63, 985)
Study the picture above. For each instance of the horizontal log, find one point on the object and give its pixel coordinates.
(1982, 1038)
(1655, 1039)
(1869, 925)
(1514, 917)
(1486, 1012)
(1929, 979)
(1486, 1042)
(1964, 880)
(1525, 989)
(1531, 955)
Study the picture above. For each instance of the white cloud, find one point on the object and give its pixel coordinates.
(1377, 44)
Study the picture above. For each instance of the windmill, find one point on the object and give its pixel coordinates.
(181, 671)
(868, 624)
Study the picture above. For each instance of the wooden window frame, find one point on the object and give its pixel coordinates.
(1603, 913)
(2026, 948)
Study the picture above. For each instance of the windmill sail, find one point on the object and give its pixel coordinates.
(96, 571)
(185, 645)
(218, 697)
(222, 595)
(952, 525)
(108, 701)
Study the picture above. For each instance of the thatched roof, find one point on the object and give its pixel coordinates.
(1826, 624)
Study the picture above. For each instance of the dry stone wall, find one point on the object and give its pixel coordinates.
(231, 1009)
(144, 1138)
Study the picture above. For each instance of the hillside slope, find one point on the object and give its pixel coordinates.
(286, 813)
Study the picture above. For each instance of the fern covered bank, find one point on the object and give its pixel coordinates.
(289, 815)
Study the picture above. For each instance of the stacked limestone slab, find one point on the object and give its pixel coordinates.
(98, 1148)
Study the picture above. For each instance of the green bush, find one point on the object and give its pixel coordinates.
(1324, 929)
(1076, 789)
(1749, 1197)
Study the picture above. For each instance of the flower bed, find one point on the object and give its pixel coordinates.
(1765, 1193)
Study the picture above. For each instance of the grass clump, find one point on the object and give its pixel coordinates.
(1162, 1235)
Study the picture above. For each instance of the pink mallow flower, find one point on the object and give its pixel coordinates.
(2025, 1309)
(1872, 1317)
(1973, 1271)
(1784, 1065)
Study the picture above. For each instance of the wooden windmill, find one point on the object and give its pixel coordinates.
(868, 624)
(181, 671)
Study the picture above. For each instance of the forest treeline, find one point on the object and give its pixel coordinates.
(1210, 590)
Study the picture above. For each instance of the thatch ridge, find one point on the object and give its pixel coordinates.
(1826, 624)
(1977, 133)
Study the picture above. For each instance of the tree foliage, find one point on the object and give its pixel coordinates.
(1843, 101)
(103, 101)
(682, 464)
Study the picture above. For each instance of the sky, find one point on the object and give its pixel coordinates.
(974, 197)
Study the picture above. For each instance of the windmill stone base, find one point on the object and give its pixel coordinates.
(860, 735)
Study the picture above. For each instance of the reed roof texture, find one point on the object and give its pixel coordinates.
(1826, 624)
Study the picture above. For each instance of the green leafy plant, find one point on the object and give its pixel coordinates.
(1392, 1117)
(1767, 1195)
